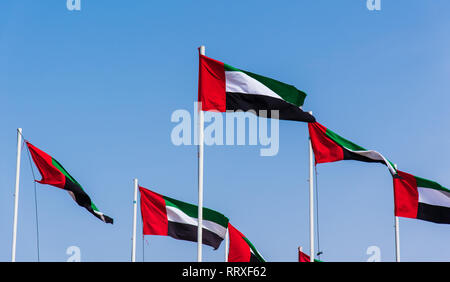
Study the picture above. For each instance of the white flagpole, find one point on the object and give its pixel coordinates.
(227, 244)
(133, 251)
(16, 193)
(397, 235)
(200, 174)
(397, 240)
(311, 201)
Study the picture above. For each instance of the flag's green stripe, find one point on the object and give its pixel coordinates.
(67, 175)
(230, 68)
(192, 211)
(422, 182)
(343, 142)
(255, 251)
(288, 92)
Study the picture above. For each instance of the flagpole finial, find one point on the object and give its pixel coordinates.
(201, 50)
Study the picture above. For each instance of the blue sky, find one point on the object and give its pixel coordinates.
(96, 89)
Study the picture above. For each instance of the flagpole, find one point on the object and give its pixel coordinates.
(16, 193)
(200, 174)
(227, 238)
(133, 251)
(397, 240)
(311, 201)
(397, 234)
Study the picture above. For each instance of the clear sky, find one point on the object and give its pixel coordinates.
(96, 89)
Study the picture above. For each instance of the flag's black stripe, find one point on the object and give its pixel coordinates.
(188, 232)
(246, 102)
(436, 214)
(83, 199)
(107, 218)
(253, 258)
(349, 155)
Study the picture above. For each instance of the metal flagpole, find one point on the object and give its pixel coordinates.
(200, 174)
(311, 201)
(397, 235)
(397, 240)
(227, 244)
(133, 250)
(16, 193)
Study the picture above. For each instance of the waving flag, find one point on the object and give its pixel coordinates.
(223, 87)
(241, 249)
(420, 198)
(165, 216)
(53, 173)
(330, 147)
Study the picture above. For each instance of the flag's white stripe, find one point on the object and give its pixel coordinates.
(100, 214)
(374, 155)
(239, 82)
(434, 197)
(176, 215)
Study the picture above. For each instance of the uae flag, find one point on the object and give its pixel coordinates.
(165, 216)
(420, 198)
(223, 87)
(330, 147)
(240, 248)
(53, 173)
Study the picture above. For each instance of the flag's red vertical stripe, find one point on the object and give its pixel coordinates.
(239, 250)
(154, 214)
(325, 149)
(211, 85)
(50, 174)
(302, 257)
(406, 196)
